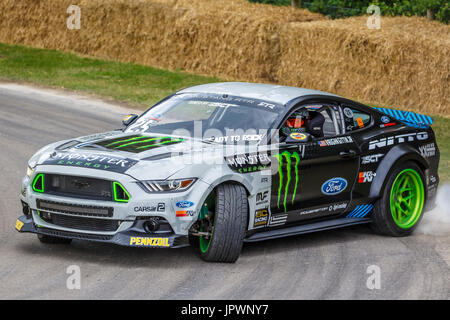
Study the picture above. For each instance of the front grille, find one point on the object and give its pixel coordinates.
(78, 187)
(73, 235)
(80, 223)
(75, 209)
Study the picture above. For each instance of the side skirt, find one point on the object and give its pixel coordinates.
(308, 228)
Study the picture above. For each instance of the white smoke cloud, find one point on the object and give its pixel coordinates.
(437, 221)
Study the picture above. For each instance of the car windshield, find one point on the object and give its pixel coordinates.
(215, 118)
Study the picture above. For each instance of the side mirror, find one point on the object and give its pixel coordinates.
(129, 119)
(298, 137)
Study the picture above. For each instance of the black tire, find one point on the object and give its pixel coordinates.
(230, 224)
(53, 240)
(382, 219)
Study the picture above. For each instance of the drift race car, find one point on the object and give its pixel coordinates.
(220, 164)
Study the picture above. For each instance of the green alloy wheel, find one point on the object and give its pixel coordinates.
(399, 210)
(407, 198)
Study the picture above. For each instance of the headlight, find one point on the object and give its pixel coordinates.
(29, 171)
(167, 185)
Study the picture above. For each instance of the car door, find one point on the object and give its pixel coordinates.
(314, 179)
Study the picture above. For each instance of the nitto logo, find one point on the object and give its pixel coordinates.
(384, 142)
(334, 186)
(287, 156)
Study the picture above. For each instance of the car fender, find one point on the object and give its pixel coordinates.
(396, 155)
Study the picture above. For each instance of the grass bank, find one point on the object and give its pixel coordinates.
(132, 83)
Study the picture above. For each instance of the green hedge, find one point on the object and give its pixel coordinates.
(345, 8)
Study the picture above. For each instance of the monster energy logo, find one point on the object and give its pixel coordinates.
(138, 143)
(287, 156)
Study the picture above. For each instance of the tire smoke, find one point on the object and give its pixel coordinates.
(437, 221)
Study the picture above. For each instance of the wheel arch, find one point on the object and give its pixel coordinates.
(395, 156)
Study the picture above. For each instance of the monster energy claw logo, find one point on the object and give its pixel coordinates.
(287, 156)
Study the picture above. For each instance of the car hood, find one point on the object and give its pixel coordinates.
(142, 156)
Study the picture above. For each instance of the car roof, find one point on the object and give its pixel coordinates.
(267, 92)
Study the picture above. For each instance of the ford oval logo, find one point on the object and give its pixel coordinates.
(184, 204)
(334, 186)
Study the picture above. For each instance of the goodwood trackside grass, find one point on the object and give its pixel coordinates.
(136, 84)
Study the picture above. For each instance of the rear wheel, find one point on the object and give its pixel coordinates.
(400, 209)
(53, 240)
(223, 225)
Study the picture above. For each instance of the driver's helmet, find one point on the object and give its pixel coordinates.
(296, 123)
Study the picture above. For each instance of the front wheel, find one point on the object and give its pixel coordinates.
(224, 225)
(400, 209)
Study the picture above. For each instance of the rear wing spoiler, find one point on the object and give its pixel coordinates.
(409, 118)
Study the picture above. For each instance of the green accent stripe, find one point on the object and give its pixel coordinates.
(141, 141)
(297, 158)
(126, 140)
(280, 172)
(287, 155)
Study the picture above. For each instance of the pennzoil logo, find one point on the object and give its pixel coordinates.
(285, 160)
(149, 242)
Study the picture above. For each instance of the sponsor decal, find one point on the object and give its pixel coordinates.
(160, 207)
(385, 119)
(433, 179)
(278, 220)
(334, 186)
(184, 204)
(267, 105)
(262, 197)
(428, 150)
(330, 209)
(366, 176)
(298, 136)
(264, 180)
(371, 159)
(335, 141)
(92, 161)
(285, 181)
(184, 213)
(389, 141)
(149, 242)
(247, 163)
(231, 139)
(19, 225)
(348, 112)
(261, 218)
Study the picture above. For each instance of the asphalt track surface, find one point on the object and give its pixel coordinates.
(326, 265)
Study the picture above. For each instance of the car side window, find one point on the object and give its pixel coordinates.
(355, 119)
(318, 121)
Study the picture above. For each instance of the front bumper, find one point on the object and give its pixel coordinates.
(130, 237)
(123, 222)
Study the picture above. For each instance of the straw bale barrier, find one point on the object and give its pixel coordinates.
(405, 64)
